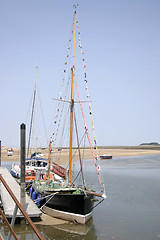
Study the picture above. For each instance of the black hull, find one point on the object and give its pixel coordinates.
(105, 157)
(71, 203)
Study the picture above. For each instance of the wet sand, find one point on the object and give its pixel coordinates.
(62, 155)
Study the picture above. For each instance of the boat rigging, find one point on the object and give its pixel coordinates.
(67, 198)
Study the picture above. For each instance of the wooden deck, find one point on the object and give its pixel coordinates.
(7, 201)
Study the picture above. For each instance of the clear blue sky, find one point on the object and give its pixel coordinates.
(122, 43)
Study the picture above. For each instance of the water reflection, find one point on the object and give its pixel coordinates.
(64, 231)
(72, 230)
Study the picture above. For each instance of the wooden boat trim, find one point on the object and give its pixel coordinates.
(78, 218)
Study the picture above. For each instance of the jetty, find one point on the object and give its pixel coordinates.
(7, 201)
(15, 201)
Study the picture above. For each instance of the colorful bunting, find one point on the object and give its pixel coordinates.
(86, 87)
(59, 110)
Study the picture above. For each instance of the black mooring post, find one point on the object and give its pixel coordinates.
(0, 153)
(22, 160)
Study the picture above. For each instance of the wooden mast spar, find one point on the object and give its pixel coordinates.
(72, 104)
(31, 132)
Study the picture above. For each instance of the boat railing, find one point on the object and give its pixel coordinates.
(18, 205)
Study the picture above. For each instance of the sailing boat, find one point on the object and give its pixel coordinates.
(36, 162)
(66, 198)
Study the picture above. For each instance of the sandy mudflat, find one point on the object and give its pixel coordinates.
(87, 154)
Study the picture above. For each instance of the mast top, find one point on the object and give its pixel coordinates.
(75, 6)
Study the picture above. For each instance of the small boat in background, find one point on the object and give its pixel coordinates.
(37, 155)
(37, 163)
(30, 176)
(15, 170)
(10, 152)
(105, 156)
(30, 173)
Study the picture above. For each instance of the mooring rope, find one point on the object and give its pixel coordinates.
(48, 200)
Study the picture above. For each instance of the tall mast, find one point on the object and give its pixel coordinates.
(72, 104)
(33, 113)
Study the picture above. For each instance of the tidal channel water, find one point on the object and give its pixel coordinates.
(131, 210)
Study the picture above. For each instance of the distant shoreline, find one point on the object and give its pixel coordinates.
(115, 151)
